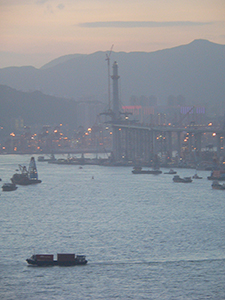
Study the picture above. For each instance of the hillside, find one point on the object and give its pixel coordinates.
(196, 71)
(34, 108)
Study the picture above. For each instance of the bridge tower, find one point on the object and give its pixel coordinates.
(116, 114)
(115, 77)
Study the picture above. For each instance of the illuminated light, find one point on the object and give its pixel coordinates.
(1, 127)
(210, 124)
(60, 124)
(185, 140)
(38, 148)
(169, 124)
(61, 133)
(110, 132)
(3, 148)
(12, 134)
(119, 129)
(126, 118)
(35, 134)
(86, 133)
(55, 130)
(46, 131)
(89, 129)
(65, 138)
(214, 134)
(107, 128)
(15, 149)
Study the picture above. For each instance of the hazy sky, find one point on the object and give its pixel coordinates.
(33, 32)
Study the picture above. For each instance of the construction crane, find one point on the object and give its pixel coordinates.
(108, 60)
(183, 117)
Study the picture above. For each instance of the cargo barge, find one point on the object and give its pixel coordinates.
(217, 175)
(63, 259)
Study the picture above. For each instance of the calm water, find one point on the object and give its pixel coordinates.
(144, 236)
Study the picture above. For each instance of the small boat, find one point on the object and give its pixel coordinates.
(8, 187)
(177, 178)
(26, 177)
(196, 176)
(63, 259)
(139, 170)
(171, 171)
(217, 186)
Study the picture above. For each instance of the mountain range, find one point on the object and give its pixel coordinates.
(196, 71)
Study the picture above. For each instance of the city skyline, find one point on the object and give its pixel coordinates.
(36, 32)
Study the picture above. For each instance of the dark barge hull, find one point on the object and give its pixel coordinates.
(55, 263)
(23, 180)
(146, 172)
(216, 178)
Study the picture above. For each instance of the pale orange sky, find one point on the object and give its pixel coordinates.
(33, 32)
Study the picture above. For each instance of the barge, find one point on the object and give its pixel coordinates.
(63, 259)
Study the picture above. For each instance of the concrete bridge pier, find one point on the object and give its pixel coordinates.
(218, 145)
(179, 144)
(169, 144)
(198, 143)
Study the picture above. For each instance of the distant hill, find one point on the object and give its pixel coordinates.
(34, 108)
(196, 71)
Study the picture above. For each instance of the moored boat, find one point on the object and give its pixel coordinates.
(26, 177)
(139, 170)
(171, 171)
(177, 178)
(63, 259)
(50, 159)
(217, 186)
(8, 187)
(196, 176)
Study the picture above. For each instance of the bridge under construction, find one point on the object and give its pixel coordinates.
(137, 142)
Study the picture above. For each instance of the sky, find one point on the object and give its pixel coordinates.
(34, 32)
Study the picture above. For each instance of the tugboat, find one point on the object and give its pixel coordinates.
(27, 177)
(8, 187)
(63, 259)
(196, 176)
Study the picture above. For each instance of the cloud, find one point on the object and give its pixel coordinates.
(41, 1)
(136, 24)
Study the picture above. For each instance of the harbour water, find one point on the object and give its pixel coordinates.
(145, 237)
